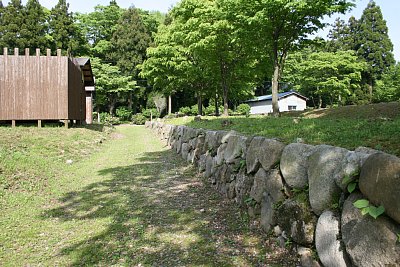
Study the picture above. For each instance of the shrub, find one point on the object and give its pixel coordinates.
(106, 118)
(243, 109)
(139, 119)
(185, 110)
(210, 110)
(147, 113)
(194, 110)
(124, 113)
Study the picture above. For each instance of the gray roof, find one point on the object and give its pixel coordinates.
(280, 96)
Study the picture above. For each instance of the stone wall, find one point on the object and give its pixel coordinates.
(297, 191)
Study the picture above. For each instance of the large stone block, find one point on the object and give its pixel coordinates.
(296, 219)
(368, 241)
(264, 152)
(323, 191)
(330, 249)
(243, 186)
(236, 147)
(294, 164)
(269, 182)
(380, 182)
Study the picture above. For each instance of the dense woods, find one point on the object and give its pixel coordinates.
(208, 56)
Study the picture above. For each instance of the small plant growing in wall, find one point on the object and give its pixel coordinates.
(251, 202)
(368, 208)
(363, 204)
(351, 184)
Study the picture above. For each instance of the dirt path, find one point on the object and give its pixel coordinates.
(135, 203)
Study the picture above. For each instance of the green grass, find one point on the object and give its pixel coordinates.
(128, 202)
(374, 126)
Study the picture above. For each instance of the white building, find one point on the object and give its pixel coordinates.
(287, 101)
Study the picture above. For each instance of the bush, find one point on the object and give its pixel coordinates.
(147, 113)
(243, 109)
(106, 118)
(124, 113)
(139, 119)
(185, 110)
(210, 110)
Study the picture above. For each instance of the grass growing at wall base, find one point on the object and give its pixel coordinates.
(375, 126)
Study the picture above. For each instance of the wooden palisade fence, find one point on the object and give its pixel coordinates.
(41, 88)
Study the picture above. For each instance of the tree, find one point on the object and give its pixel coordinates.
(335, 75)
(110, 83)
(12, 19)
(64, 32)
(129, 42)
(388, 88)
(373, 44)
(285, 24)
(34, 27)
(99, 27)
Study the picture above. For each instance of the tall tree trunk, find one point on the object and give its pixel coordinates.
(199, 105)
(169, 105)
(275, 88)
(370, 89)
(225, 90)
(216, 105)
(320, 101)
(111, 105)
(225, 98)
(98, 114)
(130, 100)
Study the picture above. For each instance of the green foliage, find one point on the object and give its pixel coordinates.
(124, 114)
(351, 181)
(110, 83)
(367, 208)
(334, 75)
(129, 42)
(107, 119)
(210, 110)
(65, 33)
(151, 112)
(388, 88)
(251, 202)
(373, 43)
(186, 111)
(243, 109)
(139, 119)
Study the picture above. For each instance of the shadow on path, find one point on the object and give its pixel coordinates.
(156, 212)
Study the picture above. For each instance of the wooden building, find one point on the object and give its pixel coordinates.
(43, 87)
(89, 83)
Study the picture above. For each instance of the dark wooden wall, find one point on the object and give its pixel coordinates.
(40, 87)
(76, 93)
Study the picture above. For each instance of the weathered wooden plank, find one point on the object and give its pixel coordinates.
(40, 87)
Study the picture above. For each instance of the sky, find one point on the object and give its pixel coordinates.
(390, 10)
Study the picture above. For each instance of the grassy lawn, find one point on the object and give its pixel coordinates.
(127, 202)
(375, 126)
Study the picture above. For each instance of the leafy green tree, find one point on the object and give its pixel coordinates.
(285, 24)
(129, 43)
(35, 28)
(99, 27)
(12, 19)
(151, 20)
(373, 44)
(110, 84)
(388, 88)
(333, 75)
(64, 32)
